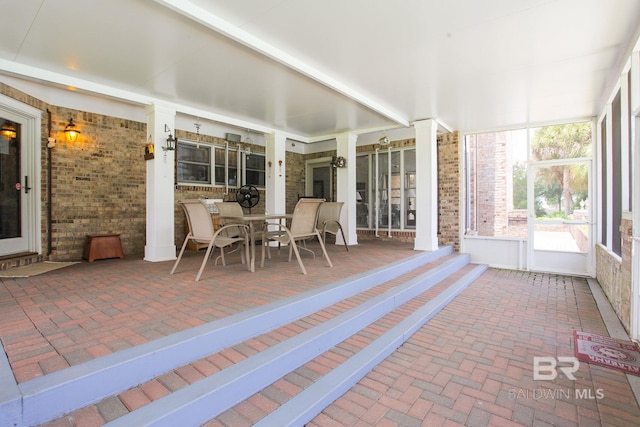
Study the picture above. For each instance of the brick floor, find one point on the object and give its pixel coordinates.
(470, 365)
(473, 363)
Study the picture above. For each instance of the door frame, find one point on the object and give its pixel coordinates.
(312, 164)
(558, 261)
(30, 119)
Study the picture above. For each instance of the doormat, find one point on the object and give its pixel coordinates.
(606, 351)
(34, 269)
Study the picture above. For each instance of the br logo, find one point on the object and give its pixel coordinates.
(546, 368)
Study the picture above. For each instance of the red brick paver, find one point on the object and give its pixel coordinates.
(473, 363)
(470, 365)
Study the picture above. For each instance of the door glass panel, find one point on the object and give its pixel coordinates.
(396, 190)
(362, 188)
(10, 181)
(383, 190)
(322, 183)
(562, 208)
(410, 187)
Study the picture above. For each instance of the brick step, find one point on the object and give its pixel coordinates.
(8, 262)
(50, 396)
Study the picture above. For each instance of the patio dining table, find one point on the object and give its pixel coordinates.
(252, 219)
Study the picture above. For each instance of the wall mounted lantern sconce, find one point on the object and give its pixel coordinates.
(8, 131)
(71, 131)
(171, 141)
(338, 162)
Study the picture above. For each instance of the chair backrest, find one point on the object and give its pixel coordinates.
(329, 212)
(230, 209)
(305, 217)
(198, 218)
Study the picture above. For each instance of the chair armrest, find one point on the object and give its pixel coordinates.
(242, 227)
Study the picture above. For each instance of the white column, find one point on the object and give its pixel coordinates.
(346, 187)
(160, 245)
(426, 185)
(276, 188)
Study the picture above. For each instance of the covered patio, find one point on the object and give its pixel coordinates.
(471, 364)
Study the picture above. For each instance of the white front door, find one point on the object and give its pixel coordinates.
(19, 178)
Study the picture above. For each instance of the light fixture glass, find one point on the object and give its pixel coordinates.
(170, 145)
(71, 131)
(8, 131)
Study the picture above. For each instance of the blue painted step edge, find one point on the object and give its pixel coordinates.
(205, 399)
(51, 396)
(307, 404)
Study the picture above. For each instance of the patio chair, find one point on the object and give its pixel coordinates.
(202, 231)
(329, 221)
(303, 226)
(233, 209)
(226, 210)
(229, 209)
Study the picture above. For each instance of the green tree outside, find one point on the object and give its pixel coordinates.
(568, 141)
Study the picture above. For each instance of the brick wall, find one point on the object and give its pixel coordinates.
(295, 178)
(449, 190)
(614, 274)
(491, 182)
(98, 182)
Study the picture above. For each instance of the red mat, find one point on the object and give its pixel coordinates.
(607, 351)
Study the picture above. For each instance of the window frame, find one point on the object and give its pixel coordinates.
(245, 156)
(203, 164)
(227, 164)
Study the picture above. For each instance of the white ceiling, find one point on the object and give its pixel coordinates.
(315, 68)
